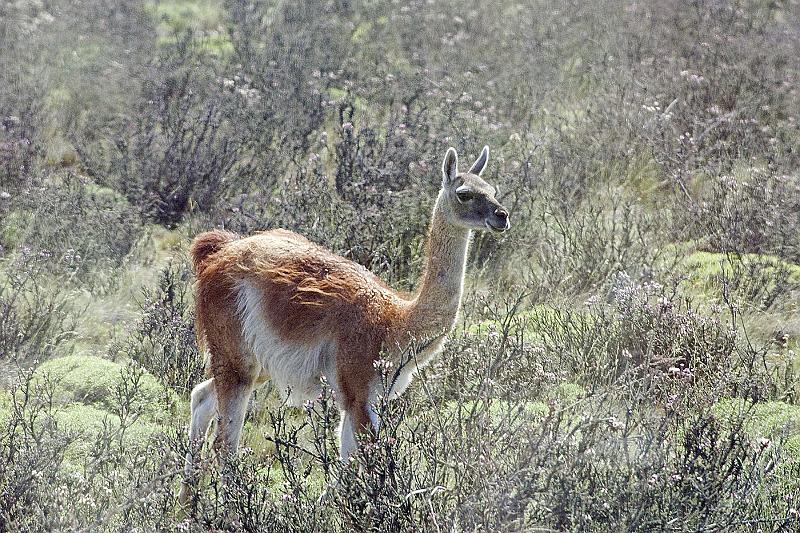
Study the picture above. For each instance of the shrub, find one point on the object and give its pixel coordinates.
(750, 211)
(717, 91)
(760, 282)
(95, 381)
(59, 462)
(195, 136)
(181, 150)
(20, 109)
(164, 339)
(579, 248)
(625, 356)
(267, 41)
(642, 333)
(35, 316)
(86, 230)
(17, 151)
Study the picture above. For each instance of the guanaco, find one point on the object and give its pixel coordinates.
(275, 306)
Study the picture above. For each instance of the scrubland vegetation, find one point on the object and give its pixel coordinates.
(627, 356)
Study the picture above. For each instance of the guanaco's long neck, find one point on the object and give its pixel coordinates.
(434, 308)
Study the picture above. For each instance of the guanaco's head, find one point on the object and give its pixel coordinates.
(470, 200)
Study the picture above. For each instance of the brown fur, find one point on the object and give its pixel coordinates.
(207, 244)
(311, 294)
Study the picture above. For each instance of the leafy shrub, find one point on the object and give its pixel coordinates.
(752, 211)
(164, 339)
(642, 333)
(35, 316)
(87, 231)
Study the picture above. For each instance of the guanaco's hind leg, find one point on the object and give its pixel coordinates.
(233, 397)
(204, 408)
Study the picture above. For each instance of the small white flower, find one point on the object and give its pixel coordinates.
(615, 424)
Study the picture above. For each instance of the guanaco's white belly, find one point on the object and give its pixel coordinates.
(295, 369)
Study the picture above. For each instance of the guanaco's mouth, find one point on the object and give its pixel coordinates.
(497, 229)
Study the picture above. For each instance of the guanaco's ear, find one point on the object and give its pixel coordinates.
(449, 166)
(480, 163)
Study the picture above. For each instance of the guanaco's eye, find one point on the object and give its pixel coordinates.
(464, 195)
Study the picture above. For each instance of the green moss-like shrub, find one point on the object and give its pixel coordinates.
(101, 383)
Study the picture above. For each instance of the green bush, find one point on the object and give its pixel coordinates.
(96, 381)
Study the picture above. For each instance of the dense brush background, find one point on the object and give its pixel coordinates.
(627, 356)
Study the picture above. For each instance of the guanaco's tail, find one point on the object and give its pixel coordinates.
(206, 244)
(203, 247)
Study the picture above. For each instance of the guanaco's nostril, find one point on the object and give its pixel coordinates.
(502, 213)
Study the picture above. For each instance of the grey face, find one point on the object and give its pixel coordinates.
(471, 200)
